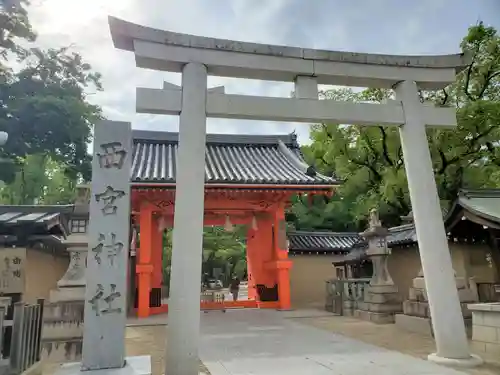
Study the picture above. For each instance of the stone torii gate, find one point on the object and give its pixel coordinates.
(197, 57)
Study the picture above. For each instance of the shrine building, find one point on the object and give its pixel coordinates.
(312, 254)
(249, 180)
(32, 250)
(473, 229)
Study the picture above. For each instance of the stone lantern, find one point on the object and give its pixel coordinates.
(381, 297)
(377, 251)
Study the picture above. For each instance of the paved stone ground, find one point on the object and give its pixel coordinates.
(263, 342)
(390, 337)
(298, 342)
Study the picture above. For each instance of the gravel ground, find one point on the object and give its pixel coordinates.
(143, 340)
(151, 341)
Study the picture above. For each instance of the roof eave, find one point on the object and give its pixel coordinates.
(478, 213)
(293, 187)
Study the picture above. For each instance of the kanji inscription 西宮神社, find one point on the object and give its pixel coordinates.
(106, 274)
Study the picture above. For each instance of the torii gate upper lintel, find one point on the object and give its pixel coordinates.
(153, 49)
(197, 57)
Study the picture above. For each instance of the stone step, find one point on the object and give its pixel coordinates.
(64, 310)
(380, 307)
(56, 330)
(421, 309)
(415, 308)
(374, 317)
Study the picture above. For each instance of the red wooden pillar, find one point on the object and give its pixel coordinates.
(157, 254)
(144, 267)
(263, 254)
(262, 259)
(282, 263)
(252, 250)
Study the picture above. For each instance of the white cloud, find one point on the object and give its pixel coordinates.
(381, 27)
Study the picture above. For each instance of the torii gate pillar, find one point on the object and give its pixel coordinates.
(447, 320)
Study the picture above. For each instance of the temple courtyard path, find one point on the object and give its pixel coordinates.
(264, 342)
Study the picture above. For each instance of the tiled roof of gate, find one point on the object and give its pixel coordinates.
(229, 159)
(301, 241)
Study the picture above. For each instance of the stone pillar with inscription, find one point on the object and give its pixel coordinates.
(107, 259)
(381, 298)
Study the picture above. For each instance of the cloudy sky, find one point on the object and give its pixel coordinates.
(377, 26)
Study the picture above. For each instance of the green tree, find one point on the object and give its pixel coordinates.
(43, 102)
(14, 26)
(221, 249)
(370, 159)
(45, 111)
(59, 188)
(40, 180)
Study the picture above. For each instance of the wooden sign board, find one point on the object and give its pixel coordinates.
(12, 266)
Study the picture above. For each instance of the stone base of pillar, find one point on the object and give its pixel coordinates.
(5, 366)
(67, 294)
(138, 365)
(472, 361)
(374, 317)
(380, 304)
(348, 308)
(416, 317)
(62, 334)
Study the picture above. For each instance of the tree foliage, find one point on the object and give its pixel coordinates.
(221, 250)
(14, 26)
(370, 159)
(43, 103)
(224, 250)
(44, 110)
(40, 180)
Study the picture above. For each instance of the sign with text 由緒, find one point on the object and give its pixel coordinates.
(12, 266)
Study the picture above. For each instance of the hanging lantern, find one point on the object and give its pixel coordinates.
(228, 226)
(254, 223)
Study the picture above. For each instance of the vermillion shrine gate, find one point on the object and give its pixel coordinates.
(249, 180)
